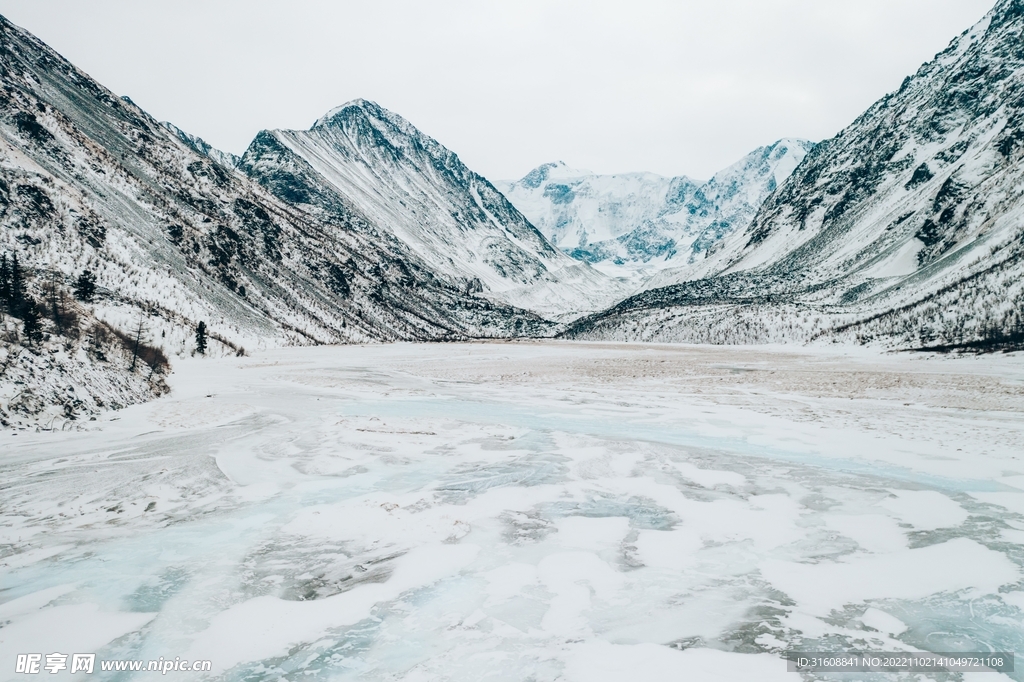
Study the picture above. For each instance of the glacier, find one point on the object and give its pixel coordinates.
(644, 227)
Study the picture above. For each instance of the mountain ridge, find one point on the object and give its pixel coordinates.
(904, 229)
(226, 159)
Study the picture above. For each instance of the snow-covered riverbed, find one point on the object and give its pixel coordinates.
(529, 511)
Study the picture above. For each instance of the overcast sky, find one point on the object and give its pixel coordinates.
(669, 86)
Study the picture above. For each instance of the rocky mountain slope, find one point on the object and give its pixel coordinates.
(90, 181)
(642, 223)
(362, 157)
(906, 228)
(200, 145)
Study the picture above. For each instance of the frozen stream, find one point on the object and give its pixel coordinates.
(525, 512)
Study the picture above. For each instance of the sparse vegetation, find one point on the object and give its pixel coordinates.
(134, 345)
(39, 346)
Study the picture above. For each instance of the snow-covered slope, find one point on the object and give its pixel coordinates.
(362, 157)
(641, 223)
(90, 181)
(906, 227)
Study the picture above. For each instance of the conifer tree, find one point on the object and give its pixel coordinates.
(30, 321)
(16, 296)
(201, 338)
(85, 287)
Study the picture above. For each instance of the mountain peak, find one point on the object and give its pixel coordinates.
(538, 175)
(792, 143)
(373, 125)
(357, 107)
(554, 170)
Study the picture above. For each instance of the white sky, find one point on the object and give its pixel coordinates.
(669, 86)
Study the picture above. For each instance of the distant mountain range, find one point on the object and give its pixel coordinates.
(637, 224)
(904, 230)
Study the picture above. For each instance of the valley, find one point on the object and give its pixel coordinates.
(340, 407)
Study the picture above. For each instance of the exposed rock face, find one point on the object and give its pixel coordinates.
(906, 227)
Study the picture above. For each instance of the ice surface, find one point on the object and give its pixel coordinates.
(883, 622)
(873, 532)
(1012, 501)
(67, 628)
(528, 511)
(925, 509)
(265, 627)
(953, 566)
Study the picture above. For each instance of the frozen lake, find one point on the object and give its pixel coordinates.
(527, 511)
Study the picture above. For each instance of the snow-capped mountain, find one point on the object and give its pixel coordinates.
(640, 223)
(907, 227)
(575, 208)
(364, 158)
(90, 181)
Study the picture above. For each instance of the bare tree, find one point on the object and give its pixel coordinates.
(56, 311)
(140, 330)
